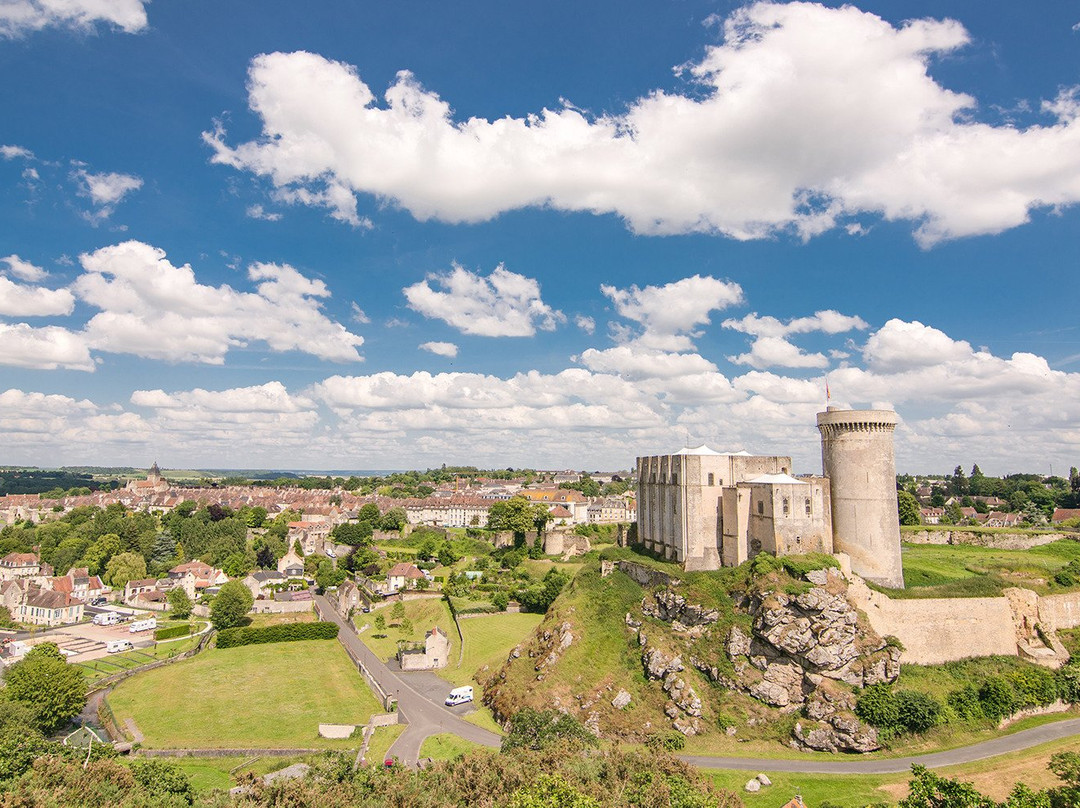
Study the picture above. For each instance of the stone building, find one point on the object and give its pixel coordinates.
(706, 509)
(433, 653)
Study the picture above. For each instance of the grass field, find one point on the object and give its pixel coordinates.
(488, 641)
(962, 570)
(424, 614)
(114, 663)
(255, 696)
(445, 747)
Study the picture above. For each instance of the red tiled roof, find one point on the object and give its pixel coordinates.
(404, 570)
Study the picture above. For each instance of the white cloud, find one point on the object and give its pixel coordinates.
(776, 351)
(358, 315)
(586, 324)
(47, 348)
(634, 362)
(18, 300)
(504, 304)
(105, 191)
(257, 212)
(772, 348)
(900, 345)
(24, 270)
(11, 152)
(153, 309)
(447, 349)
(669, 314)
(803, 118)
(20, 17)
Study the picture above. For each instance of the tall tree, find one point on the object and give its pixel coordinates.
(124, 567)
(44, 682)
(908, 508)
(231, 605)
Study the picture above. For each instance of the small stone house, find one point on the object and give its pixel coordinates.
(433, 653)
(403, 576)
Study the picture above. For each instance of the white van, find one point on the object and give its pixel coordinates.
(107, 618)
(459, 695)
(143, 625)
(116, 646)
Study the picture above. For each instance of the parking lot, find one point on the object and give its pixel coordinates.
(88, 641)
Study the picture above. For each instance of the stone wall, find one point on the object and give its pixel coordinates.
(281, 606)
(936, 630)
(1001, 541)
(1060, 611)
(647, 576)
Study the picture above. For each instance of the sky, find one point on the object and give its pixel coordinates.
(364, 235)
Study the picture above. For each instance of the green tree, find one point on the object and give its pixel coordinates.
(405, 627)
(180, 604)
(163, 779)
(256, 516)
(355, 535)
(369, 513)
(393, 519)
(124, 567)
(928, 790)
(908, 508)
(237, 565)
(380, 623)
(397, 611)
(550, 791)
(231, 605)
(516, 515)
(327, 575)
(43, 681)
(97, 555)
(958, 483)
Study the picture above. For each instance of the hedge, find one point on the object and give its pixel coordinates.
(287, 632)
(172, 631)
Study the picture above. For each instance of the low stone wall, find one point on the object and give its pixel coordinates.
(1000, 541)
(647, 576)
(206, 753)
(282, 606)
(936, 630)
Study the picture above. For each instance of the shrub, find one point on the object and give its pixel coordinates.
(287, 632)
(996, 697)
(1032, 687)
(500, 601)
(917, 712)
(965, 702)
(877, 705)
(172, 631)
(798, 565)
(668, 741)
(1068, 683)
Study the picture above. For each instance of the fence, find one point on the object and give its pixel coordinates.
(387, 699)
(107, 682)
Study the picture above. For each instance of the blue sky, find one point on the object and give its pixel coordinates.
(386, 235)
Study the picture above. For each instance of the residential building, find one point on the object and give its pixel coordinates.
(403, 576)
(45, 607)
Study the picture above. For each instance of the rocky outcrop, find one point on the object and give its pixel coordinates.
(684, 704)
(553, 644)
(799, 639)
(672, 607)
(833, 726)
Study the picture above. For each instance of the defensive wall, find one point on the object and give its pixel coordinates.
(999, 541)
(937, 630)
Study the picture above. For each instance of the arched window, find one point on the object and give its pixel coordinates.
(808, 506)
(787, 507)
(760, 507)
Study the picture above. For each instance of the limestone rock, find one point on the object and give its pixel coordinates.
(621, 700)
(658, 664)
(753, 785)
(672, 607)
(764, 780)
(842, 732)
(738, 643)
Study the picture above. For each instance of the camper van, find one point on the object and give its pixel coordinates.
(143, 625)
(459, 695)
(107, 618)
(116, 646)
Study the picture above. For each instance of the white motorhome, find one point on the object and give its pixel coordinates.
(459, 695)
(107, 618)
(116, 646)
(143, 625)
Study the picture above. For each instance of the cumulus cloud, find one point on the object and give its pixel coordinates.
(151, 308)
(635, 362)
(105, 190)
(900, 346)
(803, 119)
(772, 348)
(586, 324)
(504, 304)
(670, 314)
(21, 17)
(24, 270)
(258, 212)
(19, 300)
(447, 349)
(47, 348)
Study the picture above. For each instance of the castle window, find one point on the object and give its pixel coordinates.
(787, 508)
(674, 478)
(760, 507)
(808, 506)
(711, 479)
(654, 476)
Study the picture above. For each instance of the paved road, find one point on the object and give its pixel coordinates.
(965, 754)
(420, 711)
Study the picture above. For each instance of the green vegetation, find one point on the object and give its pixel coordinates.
(254, 696)
(488, 640)
(230, 606)
(169, 632)
(47, 686)
(287, 632)
(445, 746)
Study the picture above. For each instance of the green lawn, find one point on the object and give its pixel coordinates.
(270, 696)
(424, 614)
(488, 641)
(842, 791)
(445, 747)
(99, 668)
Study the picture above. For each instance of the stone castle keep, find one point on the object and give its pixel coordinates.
(707, 509)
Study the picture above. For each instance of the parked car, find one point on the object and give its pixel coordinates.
(99, 601)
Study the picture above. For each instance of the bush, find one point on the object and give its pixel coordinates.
(965, 702)
(917, 712)
(666, 741)
(500, 601)
(877, 705)
(172, 631)
(287, 632)
(996, 697)
(1068, 683)
(1033, 687)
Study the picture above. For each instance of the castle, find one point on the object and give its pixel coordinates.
(707, 509)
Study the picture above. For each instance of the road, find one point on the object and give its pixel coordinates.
(420, 711)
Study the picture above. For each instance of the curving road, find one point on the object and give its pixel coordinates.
(424, 715)
(1016, 742)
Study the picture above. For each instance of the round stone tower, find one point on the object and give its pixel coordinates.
(857, 456)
